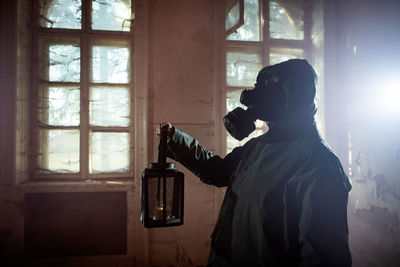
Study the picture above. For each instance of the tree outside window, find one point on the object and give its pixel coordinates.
(82, 71)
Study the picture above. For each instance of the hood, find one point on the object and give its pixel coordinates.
(297, 78)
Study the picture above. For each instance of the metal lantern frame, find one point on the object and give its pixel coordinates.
(163, 172)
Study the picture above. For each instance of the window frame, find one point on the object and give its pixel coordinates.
(264, 46)
(87, 39)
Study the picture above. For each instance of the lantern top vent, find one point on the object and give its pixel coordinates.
(157, 165)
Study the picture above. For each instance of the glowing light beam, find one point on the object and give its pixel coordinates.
(389, 97)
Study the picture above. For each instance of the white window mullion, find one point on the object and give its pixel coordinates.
(84, 125)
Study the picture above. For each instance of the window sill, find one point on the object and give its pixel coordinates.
(68, 186)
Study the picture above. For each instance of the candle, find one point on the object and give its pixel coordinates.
(159, 212)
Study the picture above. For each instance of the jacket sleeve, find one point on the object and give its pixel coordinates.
(323, 229)
(211, 169)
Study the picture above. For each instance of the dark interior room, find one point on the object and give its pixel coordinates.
(85, 84)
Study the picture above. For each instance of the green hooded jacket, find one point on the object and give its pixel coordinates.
(285, 203)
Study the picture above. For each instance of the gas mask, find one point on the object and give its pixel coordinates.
(284, 94)
(266, 101)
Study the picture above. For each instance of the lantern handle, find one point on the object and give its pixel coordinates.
(162, 153)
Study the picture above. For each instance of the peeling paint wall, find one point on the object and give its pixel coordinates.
(374, 206)
(369, 67)
(181, 91)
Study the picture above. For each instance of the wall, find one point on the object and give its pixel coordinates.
(14, 107)
(182, 67)
(368, 67)
(176, 76)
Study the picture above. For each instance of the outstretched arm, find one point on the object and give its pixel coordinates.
(211, 169)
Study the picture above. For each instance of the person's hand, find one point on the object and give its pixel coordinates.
(168, 125)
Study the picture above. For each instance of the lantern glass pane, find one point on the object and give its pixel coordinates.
(156, 200)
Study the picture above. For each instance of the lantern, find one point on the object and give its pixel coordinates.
(162, 191)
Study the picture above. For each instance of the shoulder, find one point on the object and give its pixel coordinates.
(319, 165)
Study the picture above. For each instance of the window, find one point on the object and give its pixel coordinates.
(83, 89)
(261, 33)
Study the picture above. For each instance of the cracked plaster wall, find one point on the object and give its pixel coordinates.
(369, 65)
(181, 91)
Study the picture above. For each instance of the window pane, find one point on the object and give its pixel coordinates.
(286, 19)
(65, 14)
(110, 64)
(111, 15)
(250, 31)
(232, 17)
(109, 152)
(278, 55)
(242, 68)
(59, 62)
(109, 106)
(59, 151)
(59, 106)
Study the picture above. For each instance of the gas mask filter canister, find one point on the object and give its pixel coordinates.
(239, 123)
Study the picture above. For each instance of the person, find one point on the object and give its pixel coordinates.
(287, 193)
